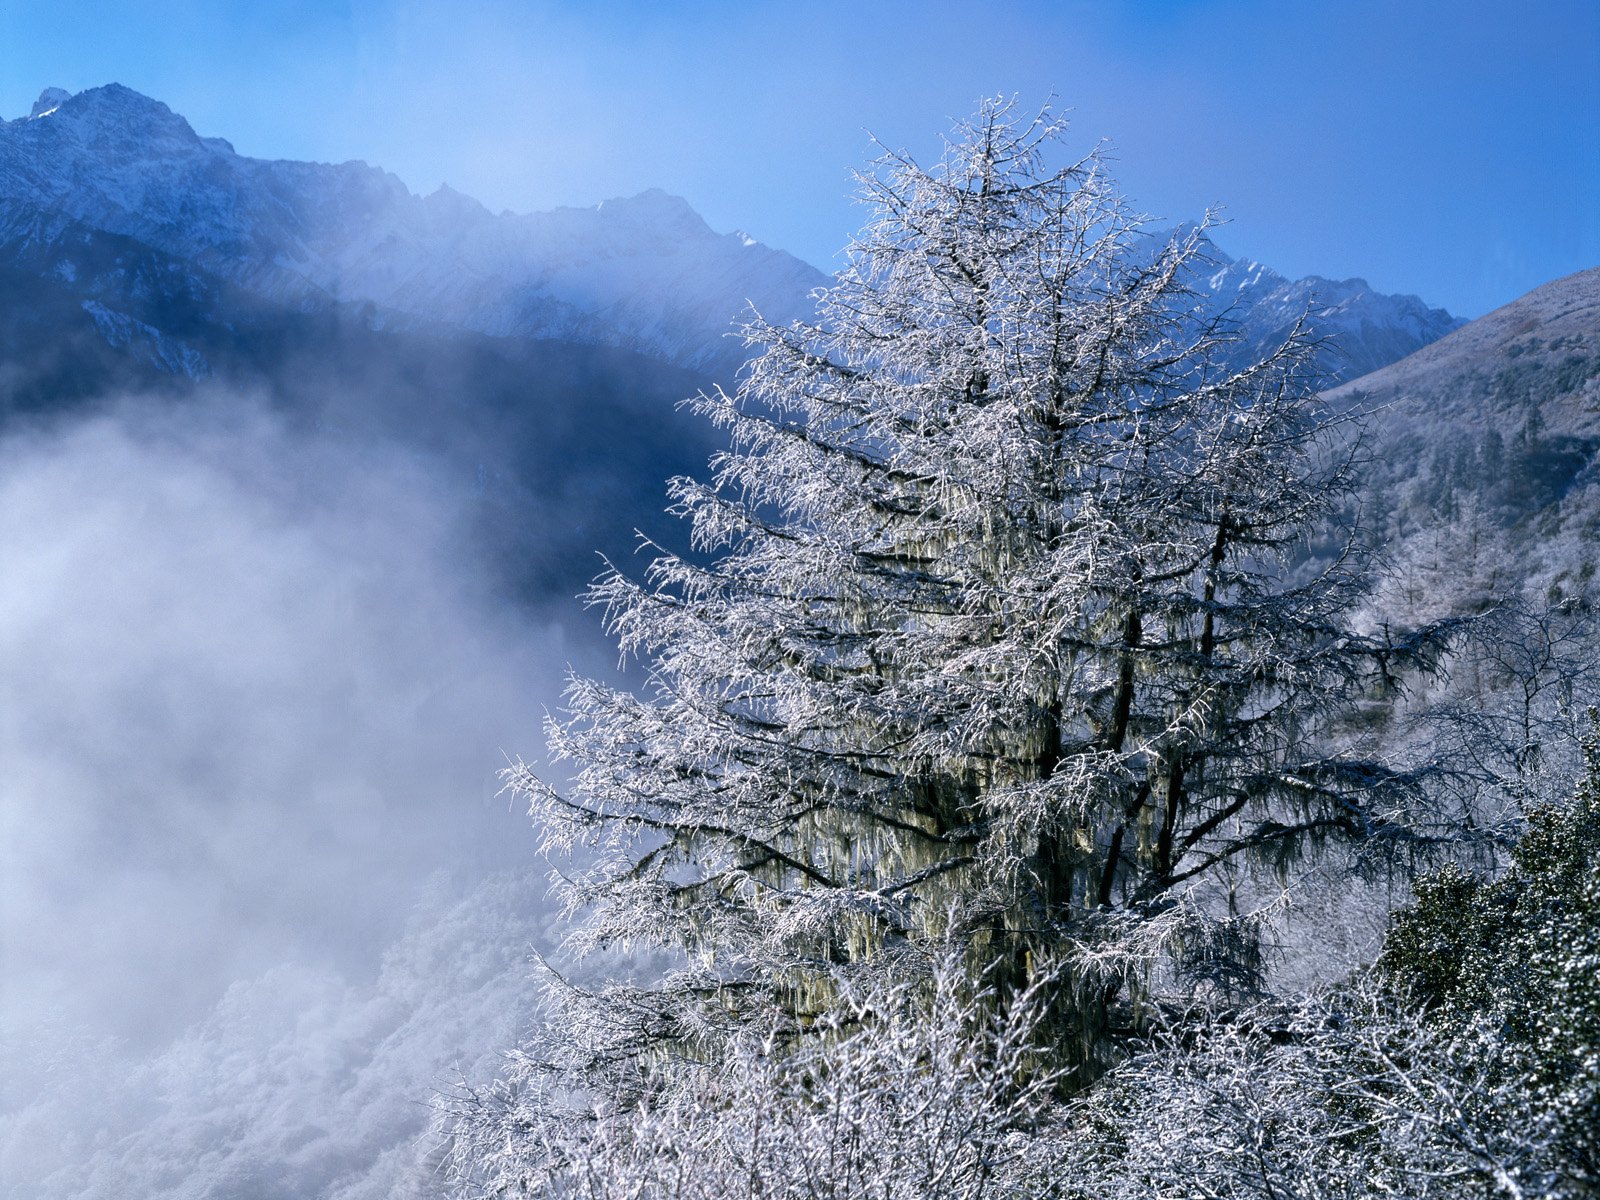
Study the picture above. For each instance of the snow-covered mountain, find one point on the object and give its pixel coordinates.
(643, 273)
(1364, 329)
(114, 200)
(545, 352)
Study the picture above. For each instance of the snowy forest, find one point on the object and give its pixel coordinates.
(536, 697)
(1031, 657)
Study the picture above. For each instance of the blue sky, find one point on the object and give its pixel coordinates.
(1448, 149)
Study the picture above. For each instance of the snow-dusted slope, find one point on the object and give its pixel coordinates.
(1538, 356)
(644, 273)
(1490, 438)
(1481, 487)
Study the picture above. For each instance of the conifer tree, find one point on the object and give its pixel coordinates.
(990, 640)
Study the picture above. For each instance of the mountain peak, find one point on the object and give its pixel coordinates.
(49, 100)
(651, 199)
(657, 208)
(122, 108)
(447, 201)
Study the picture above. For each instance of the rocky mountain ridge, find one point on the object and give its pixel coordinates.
(1363, 329)
(643, 273)
(109, 167)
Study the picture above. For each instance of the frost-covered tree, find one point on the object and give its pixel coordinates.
(1465, 1065)
(1343, 1096)
(990, 639)
(898, 1103)
(1508, 717)
(1520, 955)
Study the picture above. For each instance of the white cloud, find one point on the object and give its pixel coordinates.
(256, 688)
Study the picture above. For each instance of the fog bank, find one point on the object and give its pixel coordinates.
(257, 686)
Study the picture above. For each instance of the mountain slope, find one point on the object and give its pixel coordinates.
(1492, 434)
(1480, 492)
(1540, 353)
